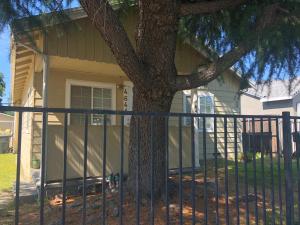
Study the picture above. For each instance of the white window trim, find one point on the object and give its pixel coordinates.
(92, 84)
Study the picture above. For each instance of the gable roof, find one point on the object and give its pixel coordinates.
(77, 13)
(23, 51)
(275, 91)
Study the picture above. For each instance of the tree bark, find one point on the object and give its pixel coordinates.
(147, 148)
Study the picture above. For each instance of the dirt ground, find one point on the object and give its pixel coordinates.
(29, 214)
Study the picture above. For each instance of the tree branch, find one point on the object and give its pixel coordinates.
(211, 71)
(112, 31)
(205, 7)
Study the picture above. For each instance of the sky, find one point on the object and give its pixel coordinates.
(5, 62)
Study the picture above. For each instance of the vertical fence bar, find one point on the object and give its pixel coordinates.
(180, 171)
(254, 169)
(262, 161)
(17, 198)
(167, 168)
(245, 161)
(216, 170)
(272, 172)
(287, 154)
(279, 172)
(121, 172)
(226, 172)
(104, 170)
(138, 172)
(152, 172)
(193, 171)
(64, 186)
(236, 171)
(43, 167)
(84, 192)
(296, 140)
(205, 172)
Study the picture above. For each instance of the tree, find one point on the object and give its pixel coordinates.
(260, 38)
(2, 87)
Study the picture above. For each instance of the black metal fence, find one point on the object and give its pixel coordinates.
(213, 176)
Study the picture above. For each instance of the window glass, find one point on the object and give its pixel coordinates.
(80, 99)
(102, 99)
(188, 109)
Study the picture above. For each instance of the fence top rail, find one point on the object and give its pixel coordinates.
(295, 117)
(128, 113)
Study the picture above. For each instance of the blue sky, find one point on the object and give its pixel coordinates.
(4, 61)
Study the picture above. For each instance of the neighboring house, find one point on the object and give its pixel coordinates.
(6, 132)
(80, 71)
(6, 123)
(272, 99)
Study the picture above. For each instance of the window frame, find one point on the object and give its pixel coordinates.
(91, 84)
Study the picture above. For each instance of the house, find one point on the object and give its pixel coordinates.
(273, 99)
(6, 123)
(6, 132)
(77, 70)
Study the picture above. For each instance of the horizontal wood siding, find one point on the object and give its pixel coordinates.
(27, 100)
(226, 101)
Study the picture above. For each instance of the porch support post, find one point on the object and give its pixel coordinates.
(43, 170)
(45, 79)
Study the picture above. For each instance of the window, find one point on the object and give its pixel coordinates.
(86, 95)
(187, 104)
(206, 106)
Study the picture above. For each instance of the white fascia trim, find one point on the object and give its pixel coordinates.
(276, 99)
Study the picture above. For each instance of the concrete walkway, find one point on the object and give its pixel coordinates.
(6, 198)
(6, 208)
(28, 193)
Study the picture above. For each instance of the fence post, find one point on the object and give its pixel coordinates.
(287, 154)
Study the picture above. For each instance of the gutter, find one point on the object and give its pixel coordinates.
(276, 99)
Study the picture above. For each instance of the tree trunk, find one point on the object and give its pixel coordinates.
(147, 148)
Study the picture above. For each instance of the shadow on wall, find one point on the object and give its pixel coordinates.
(75, 148)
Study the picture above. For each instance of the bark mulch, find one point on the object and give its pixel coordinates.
(29, 214)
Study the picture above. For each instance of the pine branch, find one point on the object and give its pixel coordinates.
(205, 7)
(212, 70)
